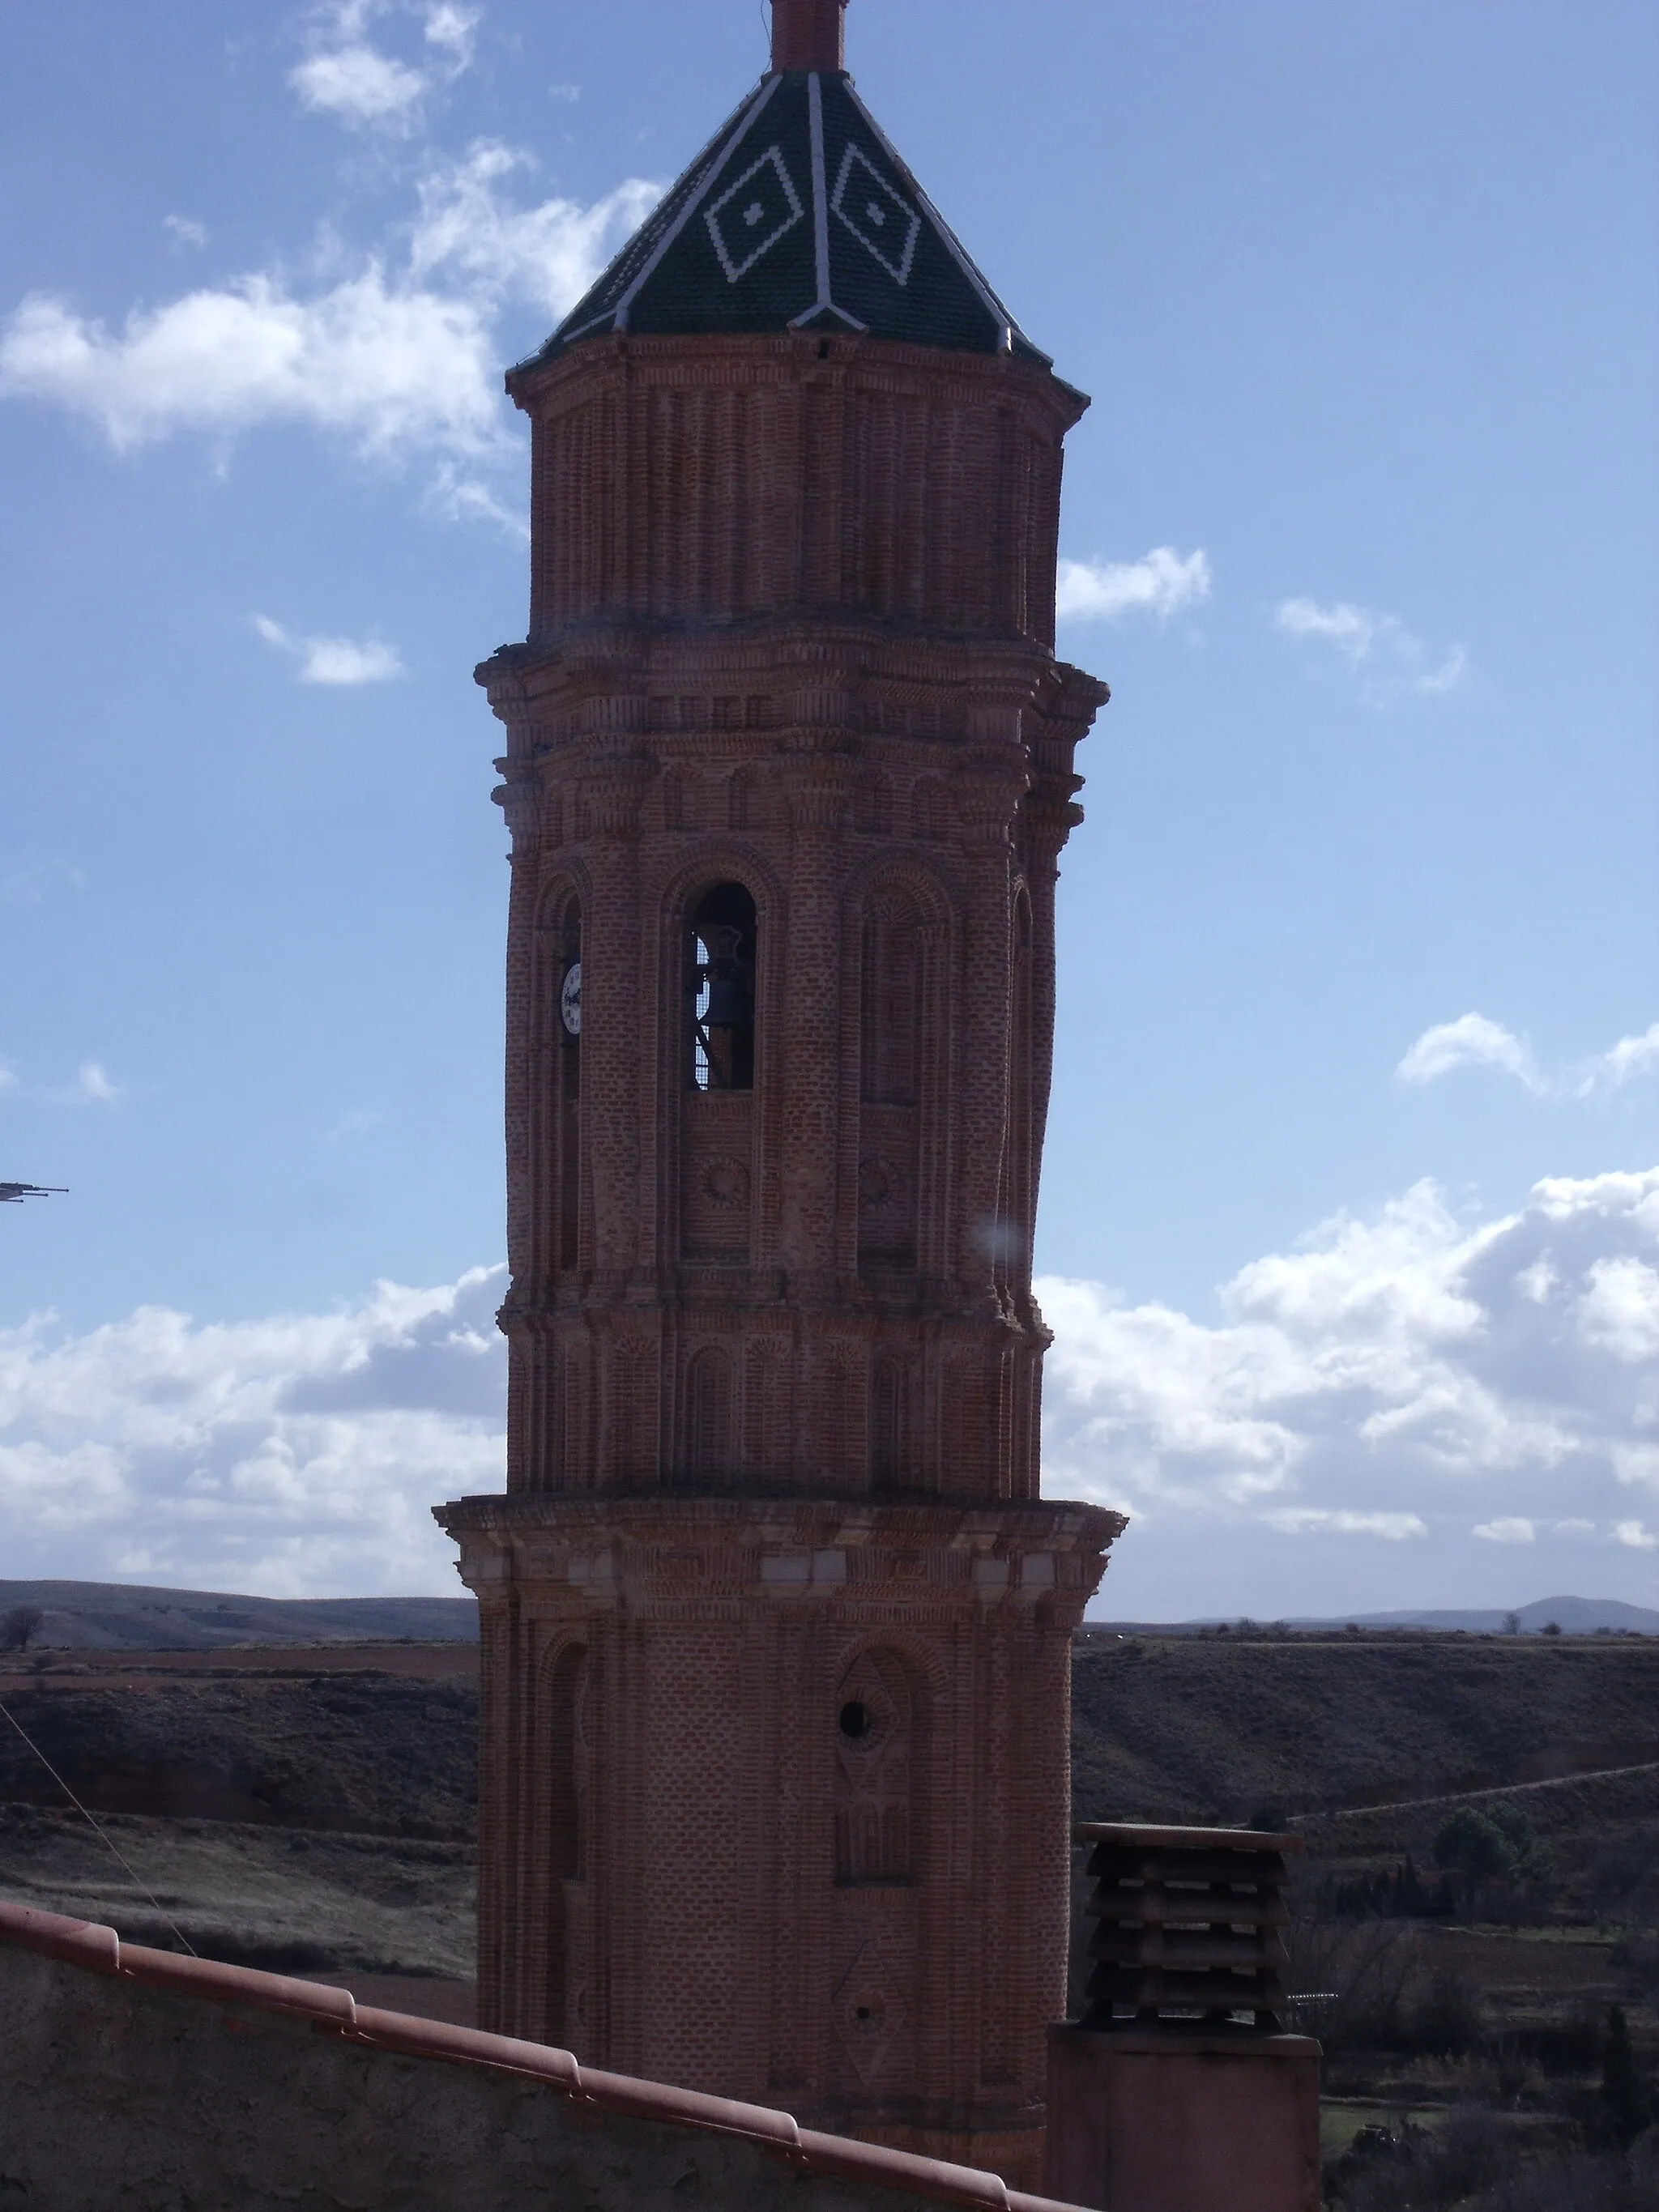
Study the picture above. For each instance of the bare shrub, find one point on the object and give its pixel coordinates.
(1446, 2021)
(1354, 1975)
(19, 1625)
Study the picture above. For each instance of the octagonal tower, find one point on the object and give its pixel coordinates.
(776, 1626)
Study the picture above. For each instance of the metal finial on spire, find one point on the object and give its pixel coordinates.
(809, 34)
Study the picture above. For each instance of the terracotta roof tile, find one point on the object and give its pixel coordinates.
(100, 1950)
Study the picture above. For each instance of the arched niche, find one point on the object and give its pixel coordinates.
(707, 1454)
(892, 1424)
(1017, 1196)
(569, 1735)
(879, 1715)
(902, 934)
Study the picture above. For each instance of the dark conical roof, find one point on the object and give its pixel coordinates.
(798, 216)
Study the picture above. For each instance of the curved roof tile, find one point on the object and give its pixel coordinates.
(101, 1951)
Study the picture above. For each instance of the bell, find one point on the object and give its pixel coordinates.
(729, 1003)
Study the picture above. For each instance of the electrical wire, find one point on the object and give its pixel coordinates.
(98, 1831)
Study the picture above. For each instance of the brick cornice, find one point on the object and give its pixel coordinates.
(546, 388)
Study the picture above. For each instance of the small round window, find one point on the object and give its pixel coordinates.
(855, 1719)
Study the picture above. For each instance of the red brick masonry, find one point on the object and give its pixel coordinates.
(101, 1951)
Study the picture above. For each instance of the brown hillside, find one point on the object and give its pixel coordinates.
(1204, 1727)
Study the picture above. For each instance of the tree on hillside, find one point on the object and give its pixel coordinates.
(22, 1622)
(1472, 1845)
(1511, 1623)
(1533, 1859)
(1496, 1848)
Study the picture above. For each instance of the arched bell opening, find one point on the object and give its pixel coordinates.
(718, 1042)
(720, 989)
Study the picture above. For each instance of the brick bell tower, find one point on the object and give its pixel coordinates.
(776, 1628)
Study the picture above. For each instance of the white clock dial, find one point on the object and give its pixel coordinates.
(570, 998)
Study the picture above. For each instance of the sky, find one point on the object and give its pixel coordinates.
(1350, 1236)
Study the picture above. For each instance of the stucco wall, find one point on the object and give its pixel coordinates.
(116, 2095)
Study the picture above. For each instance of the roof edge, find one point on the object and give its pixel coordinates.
(543, 372)
(96, 1949)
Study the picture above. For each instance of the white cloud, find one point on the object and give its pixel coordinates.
(92, 1087)
(187, 231)
(452, 29)
(347, 77)
(1351, 630)
(547, 255)
(1509, 1529)
(1622, 1063)
(1405, 1374)
(388, 366)
(357, 83)
(1394, 1387)
(333, 659)
(1619, 1307)
(1435, 683)
(401, 358)
(1395, 1527)
(1475, 1040)
(1472, 1041)
(460, 498)
(1161, 583)
(299, 1454)
(1398, 662)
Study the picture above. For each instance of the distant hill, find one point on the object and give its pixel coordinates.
(1213, 1727)
(132, 1617)
(1573, 1616)
(128, 1617)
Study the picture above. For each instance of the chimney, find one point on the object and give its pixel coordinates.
(809, 34)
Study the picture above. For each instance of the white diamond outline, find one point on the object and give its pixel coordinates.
(774, 154)
(900, 276)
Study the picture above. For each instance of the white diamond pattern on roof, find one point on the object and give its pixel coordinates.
(751, 215)
(884, 224)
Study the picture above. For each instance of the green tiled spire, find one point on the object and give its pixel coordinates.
(799, 214)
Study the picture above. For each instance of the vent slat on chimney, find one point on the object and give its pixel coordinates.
(1187, 1927)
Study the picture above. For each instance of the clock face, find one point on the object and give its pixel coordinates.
(570, 998)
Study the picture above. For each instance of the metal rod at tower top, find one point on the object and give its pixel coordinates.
(809, 34)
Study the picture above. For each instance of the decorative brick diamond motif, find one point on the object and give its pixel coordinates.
(751, 215)
(885, 225)
(869, 2013)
